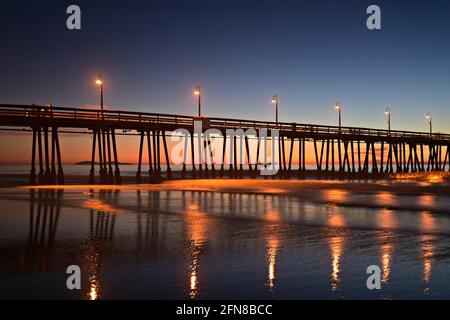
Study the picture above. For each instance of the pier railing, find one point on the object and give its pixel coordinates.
(74, 115)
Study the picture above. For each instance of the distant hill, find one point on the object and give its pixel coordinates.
(88, 163)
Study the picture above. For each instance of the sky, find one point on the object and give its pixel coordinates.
(310, 53)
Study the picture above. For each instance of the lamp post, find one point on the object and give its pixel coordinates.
(99, 83)
(275, 102)
(197, 92)
(339, 108)
(430, 121)
(387, 112)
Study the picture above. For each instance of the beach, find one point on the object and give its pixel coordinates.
(229, 238)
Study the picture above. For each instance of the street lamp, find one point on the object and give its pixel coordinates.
(430, 121)
(339, 108)
(99, 83)
(275, 102)
(198, 93)
(387, 112)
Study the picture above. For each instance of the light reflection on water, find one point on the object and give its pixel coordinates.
(133, 244)
(386, 250)
(198, 223)
(337, 250)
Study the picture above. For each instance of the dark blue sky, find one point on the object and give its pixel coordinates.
(310, 53)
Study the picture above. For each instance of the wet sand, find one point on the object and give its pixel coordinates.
(291, 187)
(370, 194)
(227, 238)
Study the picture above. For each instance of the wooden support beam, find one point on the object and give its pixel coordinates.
(158, 133)
(284, 153)
(141, 145)
(416, 161)
(408, 165)
(154, 151)
(235, 156)
(327, 157)
(374, 159)
(430, 156)
(290, 154)
(150, 155)
(224, 147)
(110, 169)
(100, 157)
(47, 156)
(105, 169)
(168, 169)
(116, 159)
(353, 157)
(397, 163)
(41, 163)
(321, 154)
(32, 177)
(422, 159)
(347, 156)
(53, 157)
(194, 172)
(247, 151)
(92, 171)
(317, 157)
(359, 155)
(366, 159)
(185, 153)
(58, 156)
(339, 154)
(332, 155)
(257, 156)
(279, 152)
(211, 157)
(205, 156)
(304, 154)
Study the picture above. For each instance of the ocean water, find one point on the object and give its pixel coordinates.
(159, 244)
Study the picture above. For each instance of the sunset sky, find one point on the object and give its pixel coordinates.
(153, 53)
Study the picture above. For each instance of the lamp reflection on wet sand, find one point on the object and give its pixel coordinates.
(386, 199)
(101, 231)
(197, 223)
(427, 200)
(336, 195)
(92, 259)
(427, 256)
(336, 244)
(386, 219)
(335, 219)
(95, 288)
(428, 224)
(386, 251)
(273, 243)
